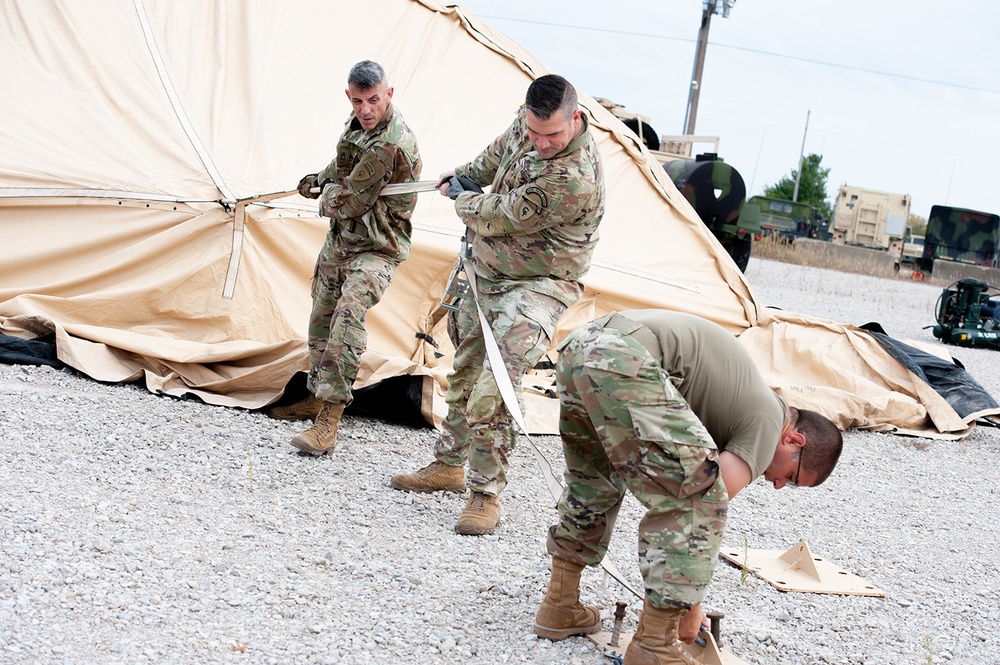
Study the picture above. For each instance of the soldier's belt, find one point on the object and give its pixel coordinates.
(637, 331)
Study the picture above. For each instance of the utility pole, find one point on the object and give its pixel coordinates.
(708, 7)
(802, 157)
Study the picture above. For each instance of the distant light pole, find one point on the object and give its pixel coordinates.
(708, 7)
(802, 160)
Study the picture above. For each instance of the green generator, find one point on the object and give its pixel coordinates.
(966, 314)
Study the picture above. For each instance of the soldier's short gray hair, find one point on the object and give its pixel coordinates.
(550, 93)
(366, 75)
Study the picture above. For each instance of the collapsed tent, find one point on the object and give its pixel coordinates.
(148, 145)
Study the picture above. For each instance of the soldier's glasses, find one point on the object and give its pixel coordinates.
(798, 471)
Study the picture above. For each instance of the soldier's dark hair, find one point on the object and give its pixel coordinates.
(551, 93)
(824, 442)
(366, 75)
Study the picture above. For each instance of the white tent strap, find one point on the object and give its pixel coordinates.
(290, 206)
(175, 102)
(647, 276)
(509, 396)
(42, 193)
(239, 223)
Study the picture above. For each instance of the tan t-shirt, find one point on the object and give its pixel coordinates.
(720, 382)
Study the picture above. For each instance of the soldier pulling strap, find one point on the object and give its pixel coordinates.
(509, 397)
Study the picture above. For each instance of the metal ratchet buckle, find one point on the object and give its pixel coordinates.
(458, 286)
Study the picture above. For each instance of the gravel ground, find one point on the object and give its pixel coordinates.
(136, 528)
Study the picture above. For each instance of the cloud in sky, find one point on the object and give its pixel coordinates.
(902, 95)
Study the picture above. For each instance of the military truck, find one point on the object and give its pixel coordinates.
(869, 218)
(962, 235)
(788, 220)
(913, 249)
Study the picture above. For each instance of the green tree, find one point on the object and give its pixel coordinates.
(812, 186)
(917, 225)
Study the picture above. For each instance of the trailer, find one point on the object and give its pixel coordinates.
(869, 218)
(713, 188)
(717, 193)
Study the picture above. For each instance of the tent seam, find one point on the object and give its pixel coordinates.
(177, 107)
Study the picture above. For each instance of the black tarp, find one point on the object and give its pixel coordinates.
(948, 378)
(39, 351)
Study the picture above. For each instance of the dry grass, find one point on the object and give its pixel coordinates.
(820, 254)
(774, 248)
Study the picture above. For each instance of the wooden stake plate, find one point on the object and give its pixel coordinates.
(796, 569)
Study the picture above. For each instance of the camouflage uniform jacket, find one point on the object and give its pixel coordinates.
(360, 219)
(539, 221)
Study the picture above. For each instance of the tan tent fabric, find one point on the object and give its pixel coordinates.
(143, 140)
(842, 371)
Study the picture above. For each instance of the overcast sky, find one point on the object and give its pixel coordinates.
(903, 96)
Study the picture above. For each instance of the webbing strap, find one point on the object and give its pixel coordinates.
(175, 104)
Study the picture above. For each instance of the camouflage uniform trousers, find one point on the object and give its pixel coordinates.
(343, 290)
(624, 425)
(479, 428)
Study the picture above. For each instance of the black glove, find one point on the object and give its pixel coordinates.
(307, 184)
(458, 184)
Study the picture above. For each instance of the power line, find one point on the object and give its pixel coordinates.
(877, 72)
(585, 27)
(745, 49)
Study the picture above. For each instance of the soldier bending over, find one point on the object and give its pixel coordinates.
(670, 407)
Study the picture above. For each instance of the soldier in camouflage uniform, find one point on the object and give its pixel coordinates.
(369, 237)
(531, 242)
(670, 407)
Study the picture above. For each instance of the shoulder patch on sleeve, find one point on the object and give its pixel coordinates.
(368, 170)
(531, 203)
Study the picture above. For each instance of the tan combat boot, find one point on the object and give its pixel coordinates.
(561, 614)
(481, 515)
(304, 409)
(322, 436)
(655, 641)
(435, 477)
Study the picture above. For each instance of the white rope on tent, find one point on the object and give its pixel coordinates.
(228, 198)
(646, 275)
(43, 192)
(509, 397)
(239, 225)
(175, 103)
